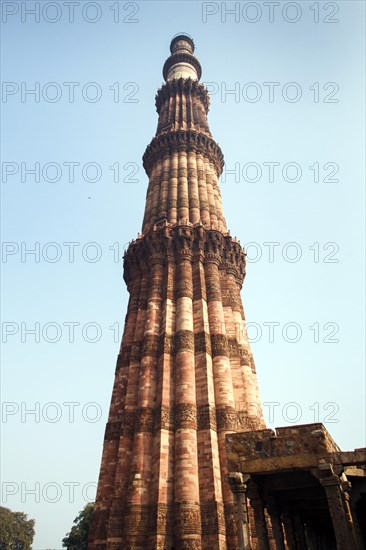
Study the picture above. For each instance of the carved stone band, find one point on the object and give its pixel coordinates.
(184, 340)
(185, 416)
(219, 345)
(181, 415)
(185, 243)
(183, 140)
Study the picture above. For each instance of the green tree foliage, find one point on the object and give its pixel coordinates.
(77, 539)
(16, 530)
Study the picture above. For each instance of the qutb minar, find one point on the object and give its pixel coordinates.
(185, 375)
(187, 461)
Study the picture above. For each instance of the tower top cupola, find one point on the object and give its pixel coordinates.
(182, 63)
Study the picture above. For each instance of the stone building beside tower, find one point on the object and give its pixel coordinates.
(185, 377)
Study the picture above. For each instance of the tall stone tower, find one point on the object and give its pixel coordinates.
(185, 375)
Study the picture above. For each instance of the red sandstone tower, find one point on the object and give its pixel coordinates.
(185, 375)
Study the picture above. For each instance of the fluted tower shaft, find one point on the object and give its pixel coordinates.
(185, 375)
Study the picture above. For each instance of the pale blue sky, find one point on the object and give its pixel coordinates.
(306, 293)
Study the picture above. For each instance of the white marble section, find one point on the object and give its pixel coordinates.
(182, 70)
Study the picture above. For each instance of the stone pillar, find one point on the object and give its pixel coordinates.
(310, 538)
(239, 489)
(257, 503)
(336, 503)
(300, 533)
(351, 513)
(360, 543)
(288, 526)
(274, 514)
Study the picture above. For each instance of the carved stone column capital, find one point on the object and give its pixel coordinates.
(338, 506)
(237, 481)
